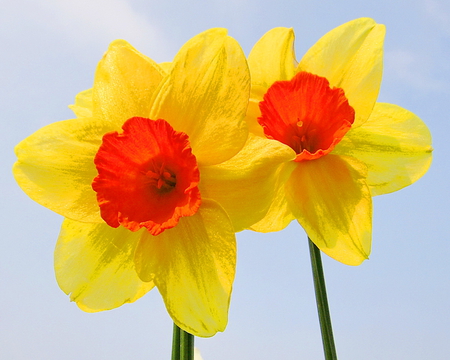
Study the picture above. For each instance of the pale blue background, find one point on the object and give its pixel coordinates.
(394, 306)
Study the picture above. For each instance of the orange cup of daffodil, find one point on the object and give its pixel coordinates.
(127, 175)
(344, 146)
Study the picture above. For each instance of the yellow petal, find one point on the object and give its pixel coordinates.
(253, 113)
(197, 355)
(193, 266)
(245, 185)
(83, 104)
(55, 167)
(206, 96)
(272, 59)
(350, 57)
(124, 83)
(279, 214)
(330, 199)
(94, 263)
(394, 144)
(166, 66)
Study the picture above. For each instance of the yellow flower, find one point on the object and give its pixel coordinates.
(345, 147)
(127, 175)
(197, 355)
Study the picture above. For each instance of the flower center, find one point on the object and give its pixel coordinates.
(147, 176)
(306, 114)
(161, 178)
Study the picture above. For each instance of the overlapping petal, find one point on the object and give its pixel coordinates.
(83, 104)
(272, 59)
(394, 144)
(253, 113)
(206, 96)
(193, 266)
(166, 66)
(94, 264)
(331, 200)
(350, 57)
(251, 176)
(55, 167)
(202, 93)
(386, 149)
(124, 84)
(279, 213)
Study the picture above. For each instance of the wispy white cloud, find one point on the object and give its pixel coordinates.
(95, 22)
(439, 13)
(414, 70)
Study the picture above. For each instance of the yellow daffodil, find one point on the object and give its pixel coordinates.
(127, 175)
(345, 147)
(197, 355)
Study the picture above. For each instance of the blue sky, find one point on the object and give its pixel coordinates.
(394, 306)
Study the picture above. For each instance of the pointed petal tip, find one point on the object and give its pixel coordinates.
(118, 42)
(280, 32)
(351, 259)
(196, 259)
(206, 331)
(218, 31)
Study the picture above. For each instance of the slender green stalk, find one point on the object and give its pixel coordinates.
(322, 303)
(176, 343)
(187, 346)
(182, 344)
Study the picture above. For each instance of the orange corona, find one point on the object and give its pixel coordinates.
(147, 177)
(306, 114)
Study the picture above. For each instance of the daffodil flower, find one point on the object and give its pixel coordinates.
(197, 355)
(127, 175)
(345, 147)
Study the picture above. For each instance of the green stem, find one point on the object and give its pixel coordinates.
(322, 303)
(187, 346)
(176, 343)
(182, 344)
